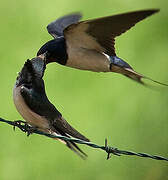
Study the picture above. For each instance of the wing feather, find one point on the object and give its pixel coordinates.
(57, 27)
(99, 34)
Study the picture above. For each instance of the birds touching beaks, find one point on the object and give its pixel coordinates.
(90, 45)
(86, 45)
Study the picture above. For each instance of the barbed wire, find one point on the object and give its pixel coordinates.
(23, 126)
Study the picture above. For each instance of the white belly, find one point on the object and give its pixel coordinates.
(85, 59)
(30, 117)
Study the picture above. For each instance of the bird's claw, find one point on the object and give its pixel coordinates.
(24, 126)
(19, 124)
(30, 130)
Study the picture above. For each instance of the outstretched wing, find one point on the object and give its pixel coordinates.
(57, 27)
(99, 34)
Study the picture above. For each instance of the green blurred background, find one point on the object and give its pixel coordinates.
(99, 105)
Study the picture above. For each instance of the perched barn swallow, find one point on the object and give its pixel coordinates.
(32, 103)
(89, 45)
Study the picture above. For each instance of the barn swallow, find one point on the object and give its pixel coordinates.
(89, 45)
(32, 103)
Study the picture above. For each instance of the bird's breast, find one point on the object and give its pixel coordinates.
(86, 59)
(31, 118)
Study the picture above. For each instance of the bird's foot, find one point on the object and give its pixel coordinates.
(30, 130)
(24, 126)
(20, 124)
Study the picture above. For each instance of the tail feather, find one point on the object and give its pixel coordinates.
(76, 149)
(71, 145)
(130, 73)
(138, 77)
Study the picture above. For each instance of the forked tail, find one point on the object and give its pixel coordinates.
(120, 66)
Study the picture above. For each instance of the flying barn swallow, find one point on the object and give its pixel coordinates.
(32, 103)
(89, 45)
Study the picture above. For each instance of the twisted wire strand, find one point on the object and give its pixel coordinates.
(23, 126)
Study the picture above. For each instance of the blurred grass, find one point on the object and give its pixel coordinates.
(98, 104)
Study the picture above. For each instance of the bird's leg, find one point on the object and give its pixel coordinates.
(30, 130)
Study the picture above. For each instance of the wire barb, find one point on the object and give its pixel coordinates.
(23, 126)
(110, 150)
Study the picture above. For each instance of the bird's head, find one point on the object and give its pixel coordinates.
(47, 48)
(32, 70)
(55, 51)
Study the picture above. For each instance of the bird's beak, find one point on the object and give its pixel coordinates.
(43, 57)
